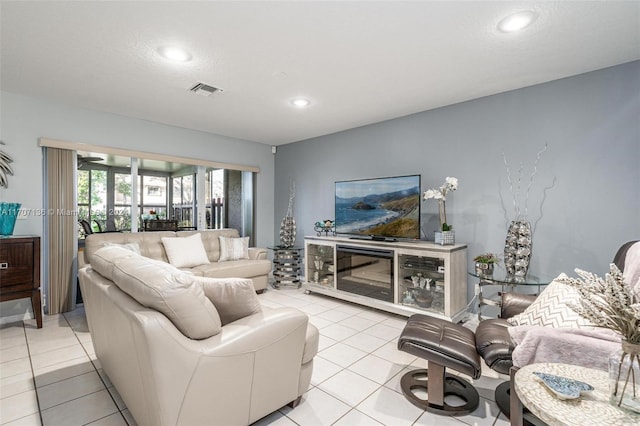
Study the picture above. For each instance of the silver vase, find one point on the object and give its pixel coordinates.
(287, 232)
(517, 248)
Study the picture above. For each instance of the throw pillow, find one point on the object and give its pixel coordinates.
(185, 252)
(233, 248)
(234, 298)
(551, 308)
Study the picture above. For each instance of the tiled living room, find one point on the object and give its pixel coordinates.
(481, 131)
(355, 377)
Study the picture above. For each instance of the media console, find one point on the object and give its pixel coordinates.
(402, 277)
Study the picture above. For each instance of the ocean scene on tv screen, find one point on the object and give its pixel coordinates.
(387, 207)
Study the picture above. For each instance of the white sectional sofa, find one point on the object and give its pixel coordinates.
(188, 350)
(256, 267)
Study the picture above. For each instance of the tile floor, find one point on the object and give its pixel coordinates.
(51, 376)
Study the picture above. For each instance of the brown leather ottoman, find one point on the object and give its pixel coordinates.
(444, 345)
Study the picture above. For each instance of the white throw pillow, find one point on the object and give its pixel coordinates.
(233, 248)
(551, 308)
(234, 298)
(185, 252)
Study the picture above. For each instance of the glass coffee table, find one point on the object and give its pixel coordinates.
(508, 282)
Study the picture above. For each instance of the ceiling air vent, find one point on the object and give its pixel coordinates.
(204, 89)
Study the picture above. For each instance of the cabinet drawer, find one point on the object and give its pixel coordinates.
(16, 264)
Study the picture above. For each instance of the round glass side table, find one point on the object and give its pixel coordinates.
(508, 282)
(286, 266)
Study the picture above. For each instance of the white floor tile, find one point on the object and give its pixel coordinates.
(11, 330)
(80, 411)
(391, 353)
(14, 352)
(324, 342)
(16, 384)
(431, 419)
(39, 346)
(484, 415)
(365, 342)
(58, 355)
(61, 371)
(322, 370)
(383, 331)
(275, 419)
(357, 323)
(115, 419)
(334, 315)
(349, 387)
(390, 408)
(341, 354)
(317, 408)
(377, 369)
(337, 332)
(30, 420)
(13, 339)
(374, 315)
(313, 309)
(356, 418)
(396, 322)
(69, 389)
(357, 354)
(17, 366)
(320, 323)
(17, 406)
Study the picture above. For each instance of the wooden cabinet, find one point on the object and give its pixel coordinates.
(403, 277)
(20, 271)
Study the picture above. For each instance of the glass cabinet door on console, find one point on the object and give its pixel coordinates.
(319, 264)
(421, 282)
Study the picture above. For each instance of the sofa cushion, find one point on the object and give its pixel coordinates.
(134, 247)
(160, 286)
(185, 252)
(234, 268)
(552, 308)
(234, 298)
(104, 258)
(234, 248)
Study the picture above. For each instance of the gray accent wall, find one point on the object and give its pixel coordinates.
(584, 200)
(23, 120)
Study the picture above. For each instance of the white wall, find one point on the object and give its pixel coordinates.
(585, 196)
(23, 120)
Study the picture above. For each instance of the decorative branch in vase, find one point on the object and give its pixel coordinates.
(519, 240)
(614, 304)
(445, 235)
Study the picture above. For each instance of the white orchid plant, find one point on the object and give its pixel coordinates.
(440, 194)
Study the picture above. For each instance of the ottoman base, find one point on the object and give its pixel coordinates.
(441, 386)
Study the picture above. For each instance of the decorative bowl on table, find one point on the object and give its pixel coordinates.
(563, 387)
(423, 298)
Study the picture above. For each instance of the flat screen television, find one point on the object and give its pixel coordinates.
(380, 208)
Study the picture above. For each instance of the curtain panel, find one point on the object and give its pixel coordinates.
(61, 229)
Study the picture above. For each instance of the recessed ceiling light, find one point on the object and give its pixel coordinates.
(517, 21)
(175, 54)
(300, 102)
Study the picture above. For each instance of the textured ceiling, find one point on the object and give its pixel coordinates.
(358, 62)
